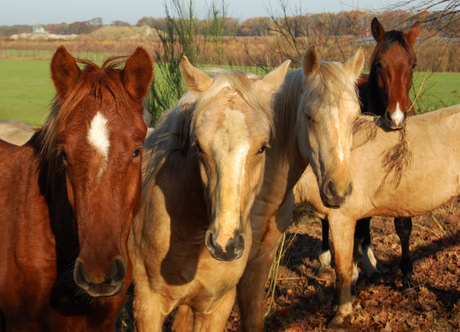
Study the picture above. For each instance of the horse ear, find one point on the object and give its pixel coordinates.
(411, 35)
(311, 63)
(272, 81)
(355, 64)
(138, 73)
(196, 80)
(64, 72)
(377, 30)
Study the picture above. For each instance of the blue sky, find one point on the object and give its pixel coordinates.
(68, 11)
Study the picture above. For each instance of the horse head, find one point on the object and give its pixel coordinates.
(230, 132)
(329, 106)
(390, 77)
(97, 136)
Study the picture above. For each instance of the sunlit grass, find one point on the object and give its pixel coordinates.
(26, 89)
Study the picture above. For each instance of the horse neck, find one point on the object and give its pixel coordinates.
(280, 177)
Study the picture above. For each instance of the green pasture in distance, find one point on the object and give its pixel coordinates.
(26, 90)
(439, 90)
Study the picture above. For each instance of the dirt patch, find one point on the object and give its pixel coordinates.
(304, 300)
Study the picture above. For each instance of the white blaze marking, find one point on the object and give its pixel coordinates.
(98, 137)
(398, 115)
(232, 146)
(339, 134)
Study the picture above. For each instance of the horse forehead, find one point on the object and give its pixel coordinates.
(226, 130)
(396, 54)
(99, 133)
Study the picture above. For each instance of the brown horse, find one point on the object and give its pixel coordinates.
(391, 177)
(315, 111)
(15, 131)
(204, 165)
(384, 92)
(68, 197)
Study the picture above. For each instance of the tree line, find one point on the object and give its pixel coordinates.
(352, 23)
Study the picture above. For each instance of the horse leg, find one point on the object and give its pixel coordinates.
(148, 315)
(251, 287)
(325, 256)
(363, 235)
(183, 321)
(342, 230)
(403, 228)
(216, 320)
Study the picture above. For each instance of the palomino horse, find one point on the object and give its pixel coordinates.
(315, 111)
(384, 92)
(386, 171)
(204, 165)
(68, 197)
(16, 132)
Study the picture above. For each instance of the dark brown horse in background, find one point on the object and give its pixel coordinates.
(384, 92)
(68, 197)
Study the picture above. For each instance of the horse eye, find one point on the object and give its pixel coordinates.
(136, 153)
(378, 66)
(413, 66)
(63, 156)
(263, 148)
(308, 116)
(198, 147)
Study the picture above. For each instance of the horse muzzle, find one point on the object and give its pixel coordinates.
(332, 197)
(234, 247)
(100, 284)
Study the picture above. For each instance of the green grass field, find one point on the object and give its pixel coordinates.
(26, 90)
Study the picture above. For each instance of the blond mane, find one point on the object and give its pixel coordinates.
(171, 139)
(326, 87)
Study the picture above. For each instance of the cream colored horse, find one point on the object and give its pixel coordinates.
(315, 112)
(392, 177)
(204, 164)
(16, 132)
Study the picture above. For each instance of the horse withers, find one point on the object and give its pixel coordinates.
(68, 197)
(15, 131)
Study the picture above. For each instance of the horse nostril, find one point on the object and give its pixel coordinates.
(210, 243)
(118, 271)
(236, 245)
(329, 189)
(80, 275)
(349, 190)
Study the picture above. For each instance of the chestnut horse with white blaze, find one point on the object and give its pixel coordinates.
(204, 165)
(68, 197)
(314, 115)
